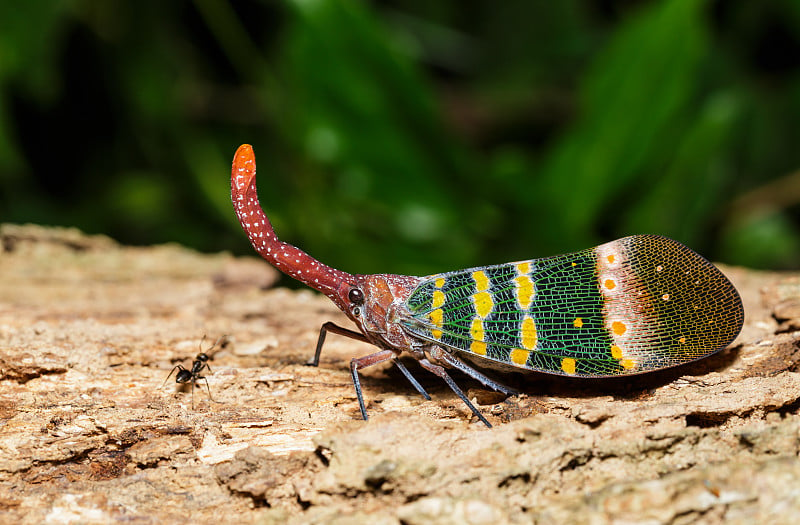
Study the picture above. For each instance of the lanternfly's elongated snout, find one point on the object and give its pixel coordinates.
(287, 258)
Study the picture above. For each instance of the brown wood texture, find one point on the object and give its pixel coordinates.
(90, 329)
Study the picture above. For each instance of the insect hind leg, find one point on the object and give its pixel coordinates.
(441, 372)
(441, 355)
(411, 379)
(176, 367)
(208, 389)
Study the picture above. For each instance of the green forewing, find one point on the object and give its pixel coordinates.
(633, 305)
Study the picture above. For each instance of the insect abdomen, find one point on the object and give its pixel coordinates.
(633, 305)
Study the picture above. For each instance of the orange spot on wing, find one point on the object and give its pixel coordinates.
(568, 365)
(618, 327)
(578, 322)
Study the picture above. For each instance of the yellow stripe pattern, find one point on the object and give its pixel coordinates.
(524, 285)
(438, 299)
(483, 306)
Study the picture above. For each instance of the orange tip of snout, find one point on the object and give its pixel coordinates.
(244, 167)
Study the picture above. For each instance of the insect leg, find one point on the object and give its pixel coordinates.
(411, 378)
(336, 329)
(442, 355)
(363, 362)
(177, 367)
(441, 372)
(208, 389)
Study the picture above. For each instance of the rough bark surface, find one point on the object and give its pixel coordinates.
(89, 331)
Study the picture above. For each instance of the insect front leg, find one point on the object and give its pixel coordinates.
(336, 329)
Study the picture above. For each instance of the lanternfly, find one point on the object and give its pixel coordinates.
(633, 305)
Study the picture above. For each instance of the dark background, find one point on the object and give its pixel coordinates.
(409, 136)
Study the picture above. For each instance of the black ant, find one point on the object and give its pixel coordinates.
(200, 363)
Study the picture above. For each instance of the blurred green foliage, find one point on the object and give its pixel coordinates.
(409, 137)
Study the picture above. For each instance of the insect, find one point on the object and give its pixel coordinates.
(200, 363)
(634, 305)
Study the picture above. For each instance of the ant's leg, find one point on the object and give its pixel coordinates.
(208, 389)
(176, 367)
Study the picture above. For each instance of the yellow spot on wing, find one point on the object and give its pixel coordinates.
(481, 281)
(524, 268)
(439, 282)
(627, 364)
(476, 330)
(618, 327)
(483, 303)
(478, 347)
(616, 352)
(578, 322)
(528, 336)
(437, 317)
(525, 291)
(568, 365)
(438, 299)
(519, 356)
